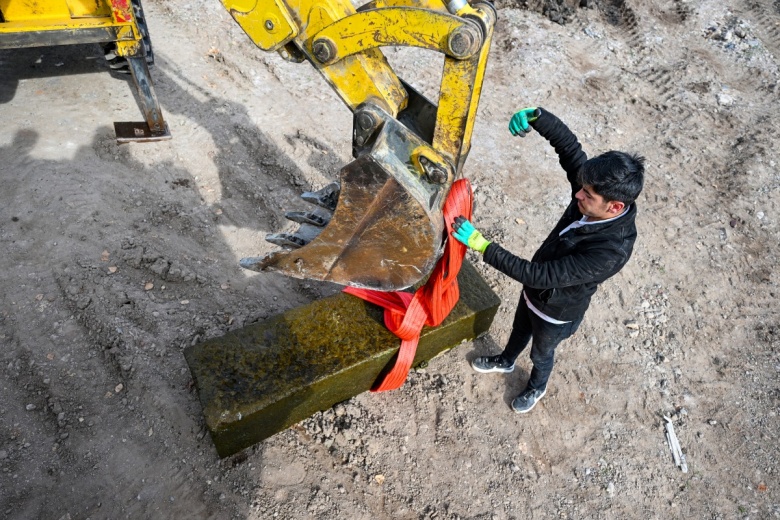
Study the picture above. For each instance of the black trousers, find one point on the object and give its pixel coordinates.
(546, 337)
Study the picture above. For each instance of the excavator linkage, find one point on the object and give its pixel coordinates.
(386, 227)
(380, 226)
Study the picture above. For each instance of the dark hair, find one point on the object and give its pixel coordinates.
(615, 176)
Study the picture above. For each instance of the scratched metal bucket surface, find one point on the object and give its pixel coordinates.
(380, 237)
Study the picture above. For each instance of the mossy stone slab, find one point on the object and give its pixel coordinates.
(261, 379)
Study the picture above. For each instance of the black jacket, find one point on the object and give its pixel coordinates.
(566, 270)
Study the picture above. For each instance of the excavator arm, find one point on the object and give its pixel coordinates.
(381, 225)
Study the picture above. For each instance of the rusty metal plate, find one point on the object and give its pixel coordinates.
(135, 132)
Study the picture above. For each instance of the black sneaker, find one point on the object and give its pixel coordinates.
(488, 364)
(525, 402)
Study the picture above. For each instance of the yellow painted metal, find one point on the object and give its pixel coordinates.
(41, 23)
(41, 16)
(434, 5)
(53, 10)
(356, 79)
(462, 79)
(392, 26)
(268, 23)
(408, 150)
(20, 10)
(38, 25)
(431, 155)
(468, 10)
(88, 8)
(128, 48)
(459, 95)
(343, 43)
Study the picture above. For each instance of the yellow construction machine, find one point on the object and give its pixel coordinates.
(118, 25)
(380, 226)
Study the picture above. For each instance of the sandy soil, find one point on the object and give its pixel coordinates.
(116, 258)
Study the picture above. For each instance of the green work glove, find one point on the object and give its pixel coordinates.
(466, 234)
(518, 125)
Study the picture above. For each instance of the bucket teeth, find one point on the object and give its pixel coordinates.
(305, 234)
(382, 234)
(311, 222)
(326, 197)
(306, 217)
(290, 240)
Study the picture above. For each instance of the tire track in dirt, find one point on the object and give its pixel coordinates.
(663, 82)
(107, 340)
(597, 84)
(663, 67)
(55, 383)
(765, 15)
(685, 85)
(671, 72)
(765, 18)
(737, 188)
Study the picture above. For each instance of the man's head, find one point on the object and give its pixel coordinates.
(610, 182)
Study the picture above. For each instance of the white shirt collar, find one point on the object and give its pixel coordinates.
(583, 222)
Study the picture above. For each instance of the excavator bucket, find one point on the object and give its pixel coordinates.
(380, 227)
(380, 236)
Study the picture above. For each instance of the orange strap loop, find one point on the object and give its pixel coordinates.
(406, 313)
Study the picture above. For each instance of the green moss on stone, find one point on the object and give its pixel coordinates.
(261, 379)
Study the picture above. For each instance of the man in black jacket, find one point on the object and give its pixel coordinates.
(592, 241)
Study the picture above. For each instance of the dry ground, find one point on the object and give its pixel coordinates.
(115, 258)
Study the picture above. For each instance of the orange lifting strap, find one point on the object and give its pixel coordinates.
(406, 313)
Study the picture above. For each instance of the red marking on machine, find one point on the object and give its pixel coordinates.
(123, 11)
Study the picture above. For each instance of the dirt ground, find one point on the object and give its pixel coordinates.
(117, 257)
